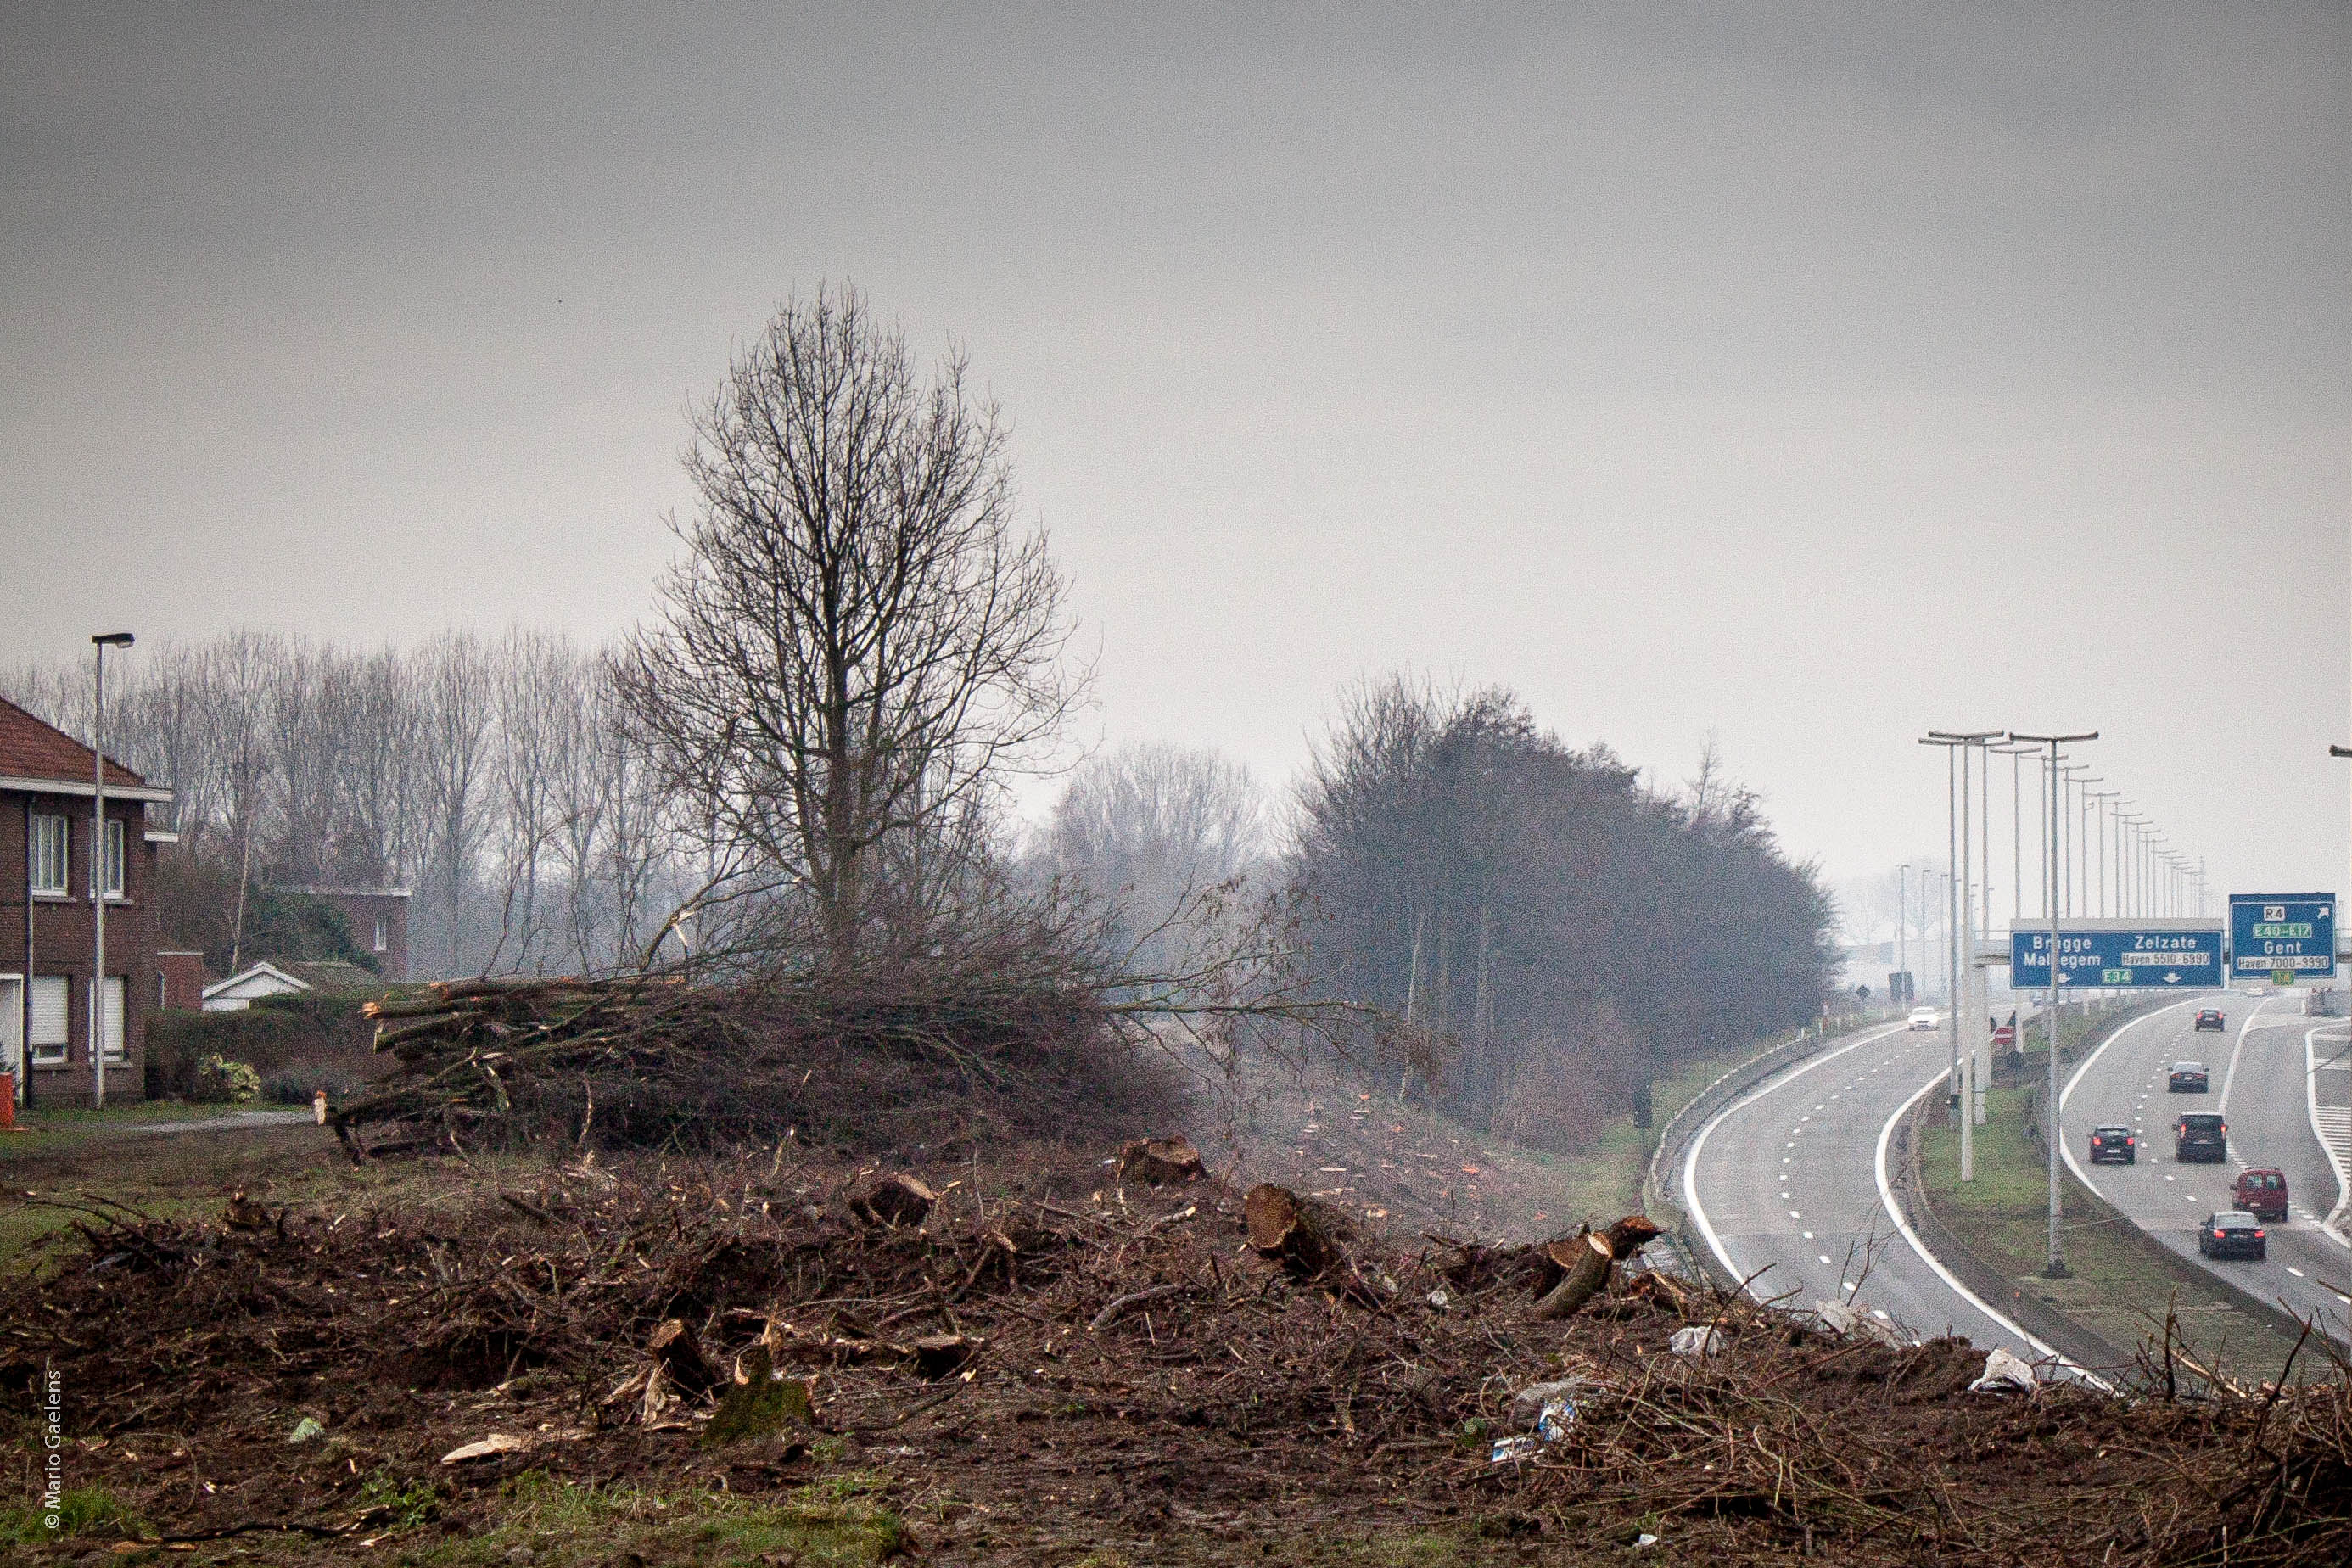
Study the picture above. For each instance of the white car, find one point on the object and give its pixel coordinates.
(1922, 1017)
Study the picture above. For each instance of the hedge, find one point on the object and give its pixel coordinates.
(298, 1029)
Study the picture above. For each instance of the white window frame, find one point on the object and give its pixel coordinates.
(117, 858)
(51, 1052)
(381, 945)
(118, 1010)
(48, 854)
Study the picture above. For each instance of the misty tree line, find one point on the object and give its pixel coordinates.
(1567, 931)
(487, 775)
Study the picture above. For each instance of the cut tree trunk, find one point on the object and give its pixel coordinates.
(895, 1199)
(1585, 1276)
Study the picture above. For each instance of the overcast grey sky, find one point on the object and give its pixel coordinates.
(1808, 375)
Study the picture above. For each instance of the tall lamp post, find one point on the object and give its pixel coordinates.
(2126, 845)
(1902, 913)
(1975, 1043)
(2094, 803)
(98, 878)
(2052, 1132)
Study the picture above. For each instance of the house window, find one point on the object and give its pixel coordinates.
(114, 1000)
(114, 858)
(45, 853)
(50, 1010)
(380, 944)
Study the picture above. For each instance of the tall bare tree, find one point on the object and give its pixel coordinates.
(859, 639)
(454, 735)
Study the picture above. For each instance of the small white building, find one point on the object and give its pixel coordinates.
(248, 985)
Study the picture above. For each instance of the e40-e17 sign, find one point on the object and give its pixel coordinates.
(2117, 960)
(2275, 934)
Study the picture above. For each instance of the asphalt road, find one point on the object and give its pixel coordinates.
(2258, 1074)
(1785, 1184)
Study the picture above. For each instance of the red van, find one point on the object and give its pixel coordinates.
(2262, 1193)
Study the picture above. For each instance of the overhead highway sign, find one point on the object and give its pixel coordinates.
(2118, 957)
(2281, 934)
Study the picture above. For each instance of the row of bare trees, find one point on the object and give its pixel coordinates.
(490, 776)
(1564, 930)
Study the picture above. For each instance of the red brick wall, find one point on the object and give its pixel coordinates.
(181, 977)
(60, 941)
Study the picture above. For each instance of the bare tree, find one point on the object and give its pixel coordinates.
(454, 737)
(1149, 828)
(857, 642)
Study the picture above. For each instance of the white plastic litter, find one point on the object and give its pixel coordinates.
(1508, 1451)
(1528, 1405)
(1557, 1418)
(1646, 1538)
(1837, 1317)
(2004, 1372)
(1840, 1318)
(1440, 1299)
(1698, 1340)
(306, 1429)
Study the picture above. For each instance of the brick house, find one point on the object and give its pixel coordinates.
(378, 918)
(46, 899)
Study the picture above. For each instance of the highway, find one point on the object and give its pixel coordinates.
(1787, 1183)
(2259, 1066)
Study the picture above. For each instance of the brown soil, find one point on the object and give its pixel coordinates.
(1237, 1408)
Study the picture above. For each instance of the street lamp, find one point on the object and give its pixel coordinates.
(2094, 803)
(2057, 1269)
(1965, 1000)
(97, 874)
(2127, 825)
(2016, 755)
(1902, 913)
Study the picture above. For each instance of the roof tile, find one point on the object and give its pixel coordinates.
(32, 750)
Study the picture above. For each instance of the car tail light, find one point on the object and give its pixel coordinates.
(2129, 1142)
(2258, 1234)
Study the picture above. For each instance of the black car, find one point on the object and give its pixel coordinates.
(2114, 1143)
(2188, 1078)
(2232, 1232)
(2200, 1135)
(2208, 1018)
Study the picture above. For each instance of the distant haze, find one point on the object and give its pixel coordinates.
(1808, 375)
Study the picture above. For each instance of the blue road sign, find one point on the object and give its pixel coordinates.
(2117, 960)
(2273, 931)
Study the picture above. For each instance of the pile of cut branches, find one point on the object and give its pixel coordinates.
(659, 1061)
(1063, 1352)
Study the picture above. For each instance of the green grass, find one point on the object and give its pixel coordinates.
(2121, 1281)
(1606, 1182)
(82, 1511)
(839, 1519)
(49, 1129)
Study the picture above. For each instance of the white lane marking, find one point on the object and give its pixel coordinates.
(2332, 1224)
(2291, 1269)
(1825, 1257)
(1886, 1198)
(2230, 1073)
(1792, 1213)
(1690, 1161)
(1809, 1235)
(2065, 1149)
